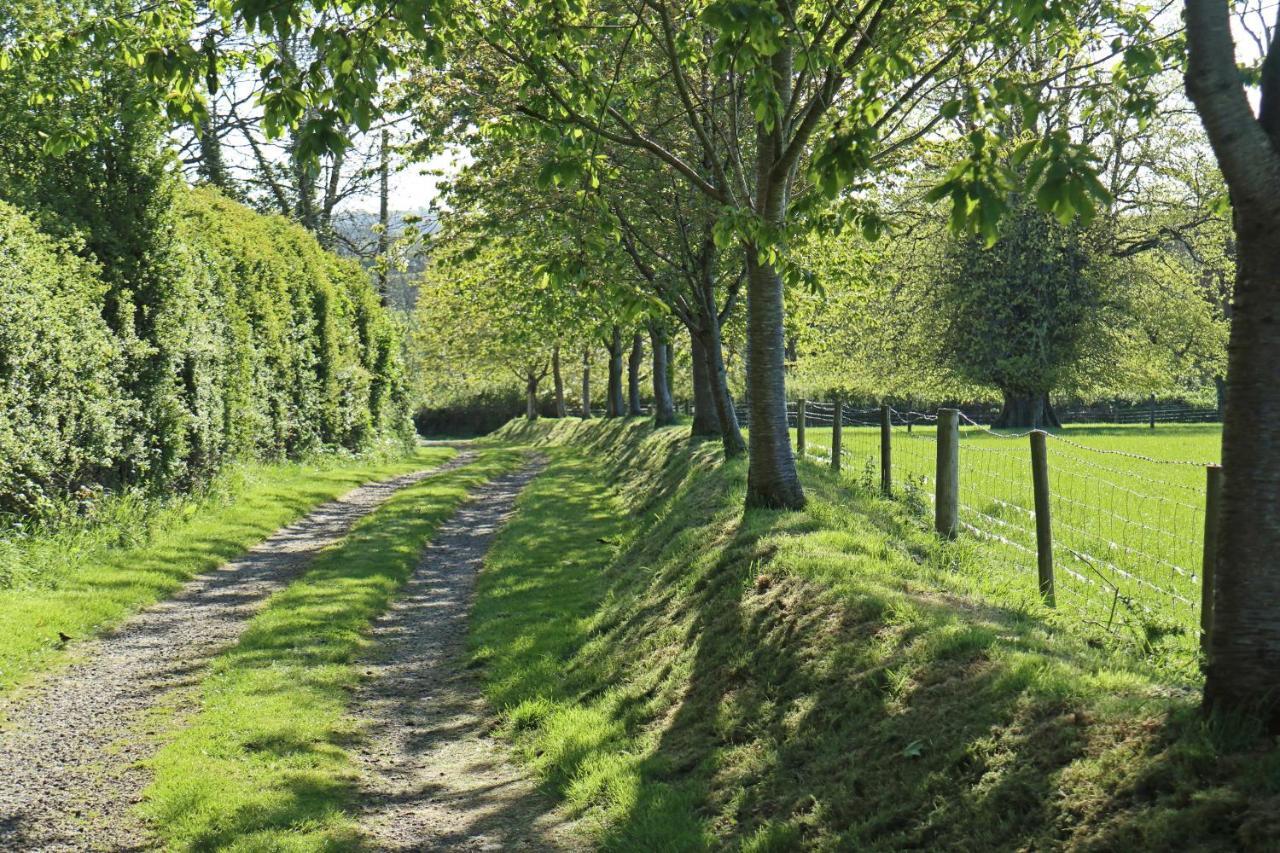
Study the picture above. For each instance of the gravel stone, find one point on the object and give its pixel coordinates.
(433, 777)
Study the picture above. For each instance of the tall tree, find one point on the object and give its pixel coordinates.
(1244, 656)
(778, 106)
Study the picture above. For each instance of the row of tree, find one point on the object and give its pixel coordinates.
(706, 140)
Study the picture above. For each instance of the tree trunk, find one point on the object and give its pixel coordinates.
(726, 416)
(586, 384)
(558, 379)
(531, 396)
(664, 409)
(384, 215)
(1244, 653)
(671, 368)
(1027, 410)
(706, 422)
(1244, 649)
(213, 166)
(772, 480)
(616, 404)
(634, 364)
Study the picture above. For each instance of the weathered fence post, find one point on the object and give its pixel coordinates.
(1153, 411)
(1044, 529)
(801, 416)
(886, 451)
(947, 496)
(837, 429)
(1209, 560)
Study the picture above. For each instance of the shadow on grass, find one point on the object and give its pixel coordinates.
(777, 680)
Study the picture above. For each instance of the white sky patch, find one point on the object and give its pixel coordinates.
(415, 186)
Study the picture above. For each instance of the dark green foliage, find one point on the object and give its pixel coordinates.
(306, 356)
(189, 331)
(1024, 314)
(242, 339)
(60, 400)
(475, 414)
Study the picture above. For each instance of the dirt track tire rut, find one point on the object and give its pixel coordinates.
(70, 746)
(434, 778)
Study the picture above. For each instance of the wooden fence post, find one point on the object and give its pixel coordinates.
(1209, 560)
(837, 428)
(1044, 529)
(1153, 411)
(801, 416)
(947, 495)
(886, 451)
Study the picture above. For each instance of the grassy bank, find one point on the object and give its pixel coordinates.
(264, 762)
(687, 677)
(81, 581)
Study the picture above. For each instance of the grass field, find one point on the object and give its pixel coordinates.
(1127, 509)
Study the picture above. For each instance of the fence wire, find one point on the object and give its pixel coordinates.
(1128, 529)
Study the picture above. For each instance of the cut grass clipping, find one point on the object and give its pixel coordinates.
(835, 678)
(264, 763)
(82, 582)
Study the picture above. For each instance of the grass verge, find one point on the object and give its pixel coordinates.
(263, 764)
(84, 581)
(824, 679)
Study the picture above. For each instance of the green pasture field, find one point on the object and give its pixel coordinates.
(1127, 510)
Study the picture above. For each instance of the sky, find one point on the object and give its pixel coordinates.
(414, 187)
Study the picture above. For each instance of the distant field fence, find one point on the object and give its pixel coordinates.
(1125, 540)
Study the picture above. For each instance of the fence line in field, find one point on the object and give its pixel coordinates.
(1122, 539)
(1115, 536)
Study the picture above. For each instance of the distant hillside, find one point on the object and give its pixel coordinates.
(357, 237)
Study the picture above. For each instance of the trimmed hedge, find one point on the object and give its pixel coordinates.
(256, 343)
(60, 400)
(478, 414)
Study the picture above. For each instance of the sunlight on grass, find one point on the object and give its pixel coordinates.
(84, 582)
(265, 762)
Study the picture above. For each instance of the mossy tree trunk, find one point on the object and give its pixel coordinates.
(664, 409)
(586, 383)
(1027, 410)
(558, 379)
(615, 407)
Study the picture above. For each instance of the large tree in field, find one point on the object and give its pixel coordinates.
(1020, 314)
(1244, 656)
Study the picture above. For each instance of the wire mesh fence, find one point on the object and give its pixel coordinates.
(1127, 529)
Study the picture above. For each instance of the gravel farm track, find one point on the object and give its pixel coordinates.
(72, 745)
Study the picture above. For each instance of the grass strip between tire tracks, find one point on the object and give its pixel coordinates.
(265, 761)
